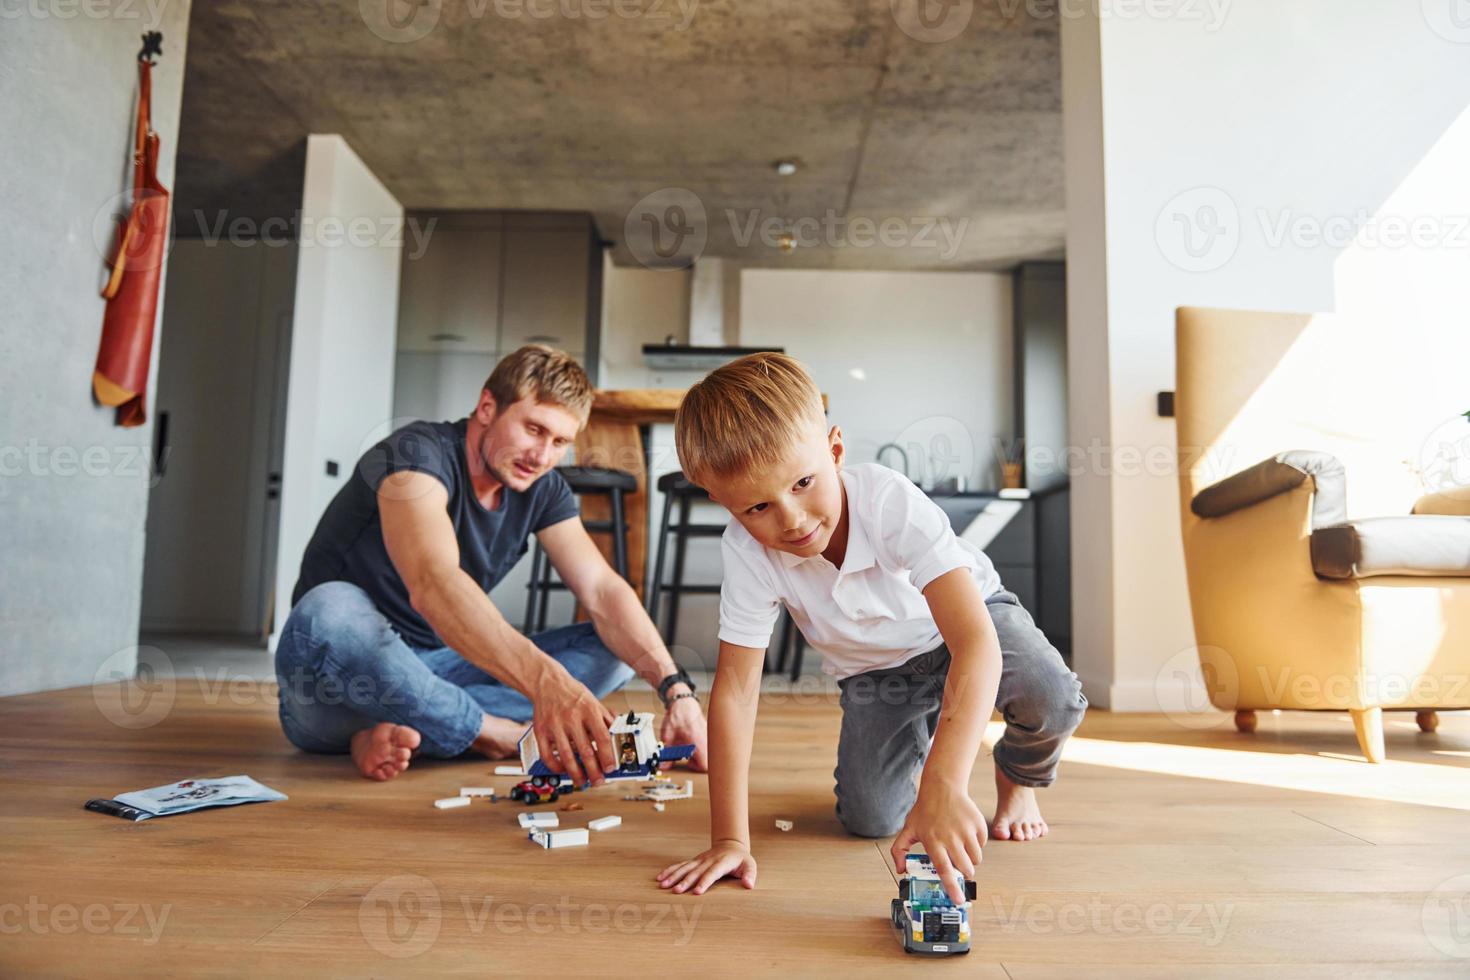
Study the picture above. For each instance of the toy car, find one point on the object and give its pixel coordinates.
(541, 789)
(926, 919)
(635, 747)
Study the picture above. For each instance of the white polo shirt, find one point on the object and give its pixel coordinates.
(870, 613)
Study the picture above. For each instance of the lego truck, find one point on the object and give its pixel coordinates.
(636, 749)
(925, 918)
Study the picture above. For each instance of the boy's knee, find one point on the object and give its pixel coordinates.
(874, 808)
(869, 821)
(1057, 704)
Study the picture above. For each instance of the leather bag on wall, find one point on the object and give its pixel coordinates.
(120, 379)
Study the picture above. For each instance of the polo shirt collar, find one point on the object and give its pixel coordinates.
(859, 545)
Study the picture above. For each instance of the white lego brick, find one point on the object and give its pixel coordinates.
(605, 823)
(477, 791)
(551, 839)
(450, 802)
(541, 821)
(509, 771)
(784, 825)
(659, 807)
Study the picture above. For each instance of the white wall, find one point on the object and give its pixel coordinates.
(1198, 176)
(340, 390)
(73, 485)
(918, 358)
(437, 386)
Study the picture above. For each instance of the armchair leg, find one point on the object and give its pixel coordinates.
(1428, 720)
(1368, 723)
(1245, 721)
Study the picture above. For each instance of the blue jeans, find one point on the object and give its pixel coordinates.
(342, 668)
(889, 717)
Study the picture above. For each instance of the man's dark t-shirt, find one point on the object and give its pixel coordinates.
(347, 545)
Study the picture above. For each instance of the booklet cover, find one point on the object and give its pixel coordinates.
(184, 796)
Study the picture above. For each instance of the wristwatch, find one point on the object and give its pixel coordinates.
(678, 677)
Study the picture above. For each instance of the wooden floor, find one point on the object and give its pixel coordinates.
(1175, 851)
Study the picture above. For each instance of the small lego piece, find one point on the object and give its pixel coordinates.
(551, 839)
(541, 820)
(567, 807)
(784, 825)
(449, 803)
(663, 792)
(476, 791)
(659, 807)
(605, 823)
(509, 771)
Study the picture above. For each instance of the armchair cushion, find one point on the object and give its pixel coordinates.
(1455, 502)
(1280, 473)
(1418, 545)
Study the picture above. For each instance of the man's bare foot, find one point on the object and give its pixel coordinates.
(1017, 814)
(383, 751)
(498, 737)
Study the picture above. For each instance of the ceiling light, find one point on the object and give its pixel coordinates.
(787, 167)
(450, 338)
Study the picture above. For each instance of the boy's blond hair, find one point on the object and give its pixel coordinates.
(744, 416)
(542, 373)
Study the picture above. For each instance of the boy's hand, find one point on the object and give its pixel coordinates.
(952, 830)
(726, 858)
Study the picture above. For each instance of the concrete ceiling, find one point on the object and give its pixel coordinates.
(670, 120)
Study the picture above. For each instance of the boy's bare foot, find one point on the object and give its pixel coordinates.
(1017, 815)
(498, 737)
(383, 751)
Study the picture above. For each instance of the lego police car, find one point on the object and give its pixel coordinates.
(926, 919)
(635, 747)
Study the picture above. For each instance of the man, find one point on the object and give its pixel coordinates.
(393, 645)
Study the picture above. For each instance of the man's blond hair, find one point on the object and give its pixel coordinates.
(744, 416)
(544, 374)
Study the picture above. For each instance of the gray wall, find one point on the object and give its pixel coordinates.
(73, 486)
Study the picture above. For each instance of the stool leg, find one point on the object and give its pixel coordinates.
(531, 589)
(545, 592)
(796, 661)
(620, 535)
(681, 538)
(784, 643)
(656, 587)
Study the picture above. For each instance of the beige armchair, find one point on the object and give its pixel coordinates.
(1322, 576)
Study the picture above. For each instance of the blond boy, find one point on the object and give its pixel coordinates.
(911, 621)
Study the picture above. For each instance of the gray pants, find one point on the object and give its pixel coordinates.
(889, 717)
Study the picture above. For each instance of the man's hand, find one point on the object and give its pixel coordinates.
(572, 725)
(952, 830)
(725, 858)
(684, 725)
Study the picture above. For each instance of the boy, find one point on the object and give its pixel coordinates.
(902, 611)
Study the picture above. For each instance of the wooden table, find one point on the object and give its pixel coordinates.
(617, 436)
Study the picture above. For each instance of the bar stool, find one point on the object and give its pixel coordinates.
(583, 480)
(789, 632)
(675, 487)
